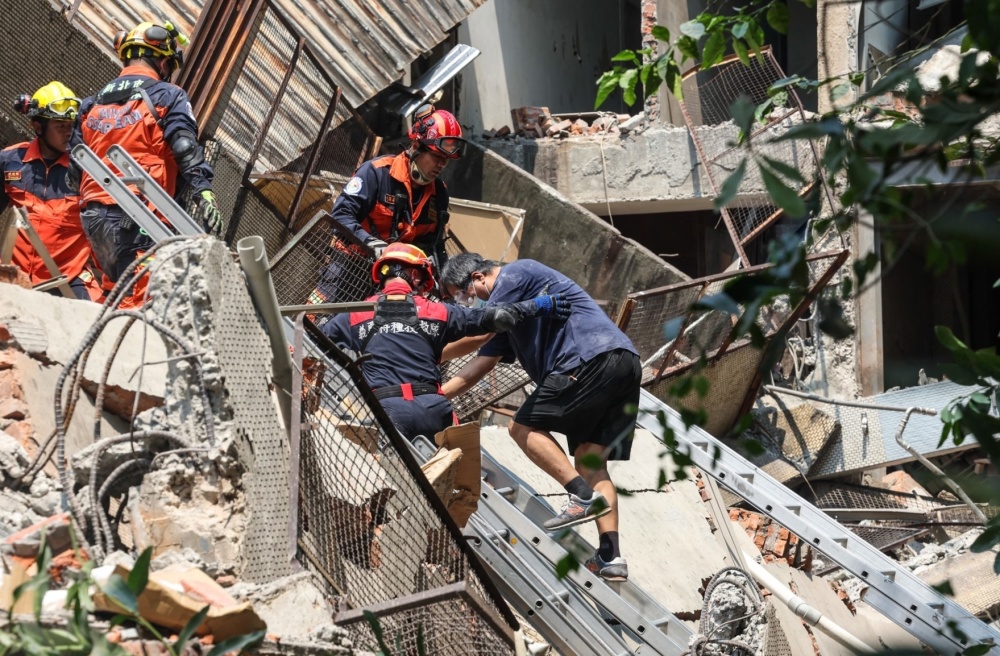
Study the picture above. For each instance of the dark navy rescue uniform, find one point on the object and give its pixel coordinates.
(404, 349)
(586, 369)
(144, 115)
(381, 202)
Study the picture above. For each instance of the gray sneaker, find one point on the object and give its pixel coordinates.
(615, 570)
(577, 511)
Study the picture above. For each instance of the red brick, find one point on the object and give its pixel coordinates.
(13, 408)
(23, 432)
(10, 385)
(6, 359)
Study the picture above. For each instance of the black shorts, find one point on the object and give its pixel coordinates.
(596, 403)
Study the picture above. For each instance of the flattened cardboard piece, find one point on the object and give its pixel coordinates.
(15, 576)
(441, 470)
(468, 476)
(161, 604)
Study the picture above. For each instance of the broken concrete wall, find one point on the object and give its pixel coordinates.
(653, 170)
(560, 233)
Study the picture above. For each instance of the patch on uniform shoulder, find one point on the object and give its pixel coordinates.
(11, 176)
(353, 187)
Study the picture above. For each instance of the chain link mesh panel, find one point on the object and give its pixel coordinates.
(323, 263)
(374, 531)
(671, 334)
(709, 97)
(285, 136)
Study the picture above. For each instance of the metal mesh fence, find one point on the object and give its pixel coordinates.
(710, 96)
(502, 382)
(285, 136)
(323, 263)
(672, 335)
(373, 530)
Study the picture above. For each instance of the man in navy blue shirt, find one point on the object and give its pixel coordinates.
(405, 335)
(587, 374)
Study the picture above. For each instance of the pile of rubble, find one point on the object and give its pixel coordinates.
(169, 483)
(539, 123)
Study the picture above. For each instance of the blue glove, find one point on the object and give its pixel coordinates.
(557, 307)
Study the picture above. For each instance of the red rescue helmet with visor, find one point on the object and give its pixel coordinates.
(398, 260)
(438, 131)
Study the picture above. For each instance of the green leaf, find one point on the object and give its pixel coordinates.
(237, 643)
(661, 33)
(626, 56)
(777, 17)
(566, 564)
(857, 78)
(139, 576)
(741, 52)
(714, 48)
(755, 45)
(607, 83)
(977, 650)
(189, 629)
(721, 302)
(782, 195)
(948, 339)
(945, 588)
(376, 628)
(809, 3)
(987, 539)
(693, 29)
(701, 386)
(688, 47)
(743, 112)
(591, 461)
(786, 170)
(118, 591)
(839, 91)
(740, 29)
(674, 79)
(730, 187)
(627, 83)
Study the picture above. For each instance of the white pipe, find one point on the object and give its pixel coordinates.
(799, 606)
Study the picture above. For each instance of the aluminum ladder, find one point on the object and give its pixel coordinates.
(893, 590)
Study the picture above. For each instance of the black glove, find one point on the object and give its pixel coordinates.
(504, 316)
(376, 245)
(207, 212)
(557, 306)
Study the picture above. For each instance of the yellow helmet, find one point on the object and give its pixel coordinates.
(54, 101)
(150, 39)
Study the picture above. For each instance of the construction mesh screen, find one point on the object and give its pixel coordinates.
(323, 263)
(374, 531)
(709, 98)
(284, 134)
(501, 383)
(83, 66)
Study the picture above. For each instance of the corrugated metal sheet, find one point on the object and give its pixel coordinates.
(365, 45)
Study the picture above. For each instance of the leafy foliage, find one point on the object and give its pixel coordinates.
(868, 147)
(78, 638)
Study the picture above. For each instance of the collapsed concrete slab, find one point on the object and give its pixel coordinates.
(559, 232)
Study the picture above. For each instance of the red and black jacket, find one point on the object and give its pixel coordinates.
(41, 189)
(405, 346)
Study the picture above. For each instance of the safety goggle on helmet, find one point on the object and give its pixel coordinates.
(438, 131)
(54, 101)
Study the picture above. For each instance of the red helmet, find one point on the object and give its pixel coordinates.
(438, 131)
(408, 256)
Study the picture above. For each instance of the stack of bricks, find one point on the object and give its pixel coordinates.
(774, 541)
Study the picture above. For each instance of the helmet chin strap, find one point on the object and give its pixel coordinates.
(415, 173)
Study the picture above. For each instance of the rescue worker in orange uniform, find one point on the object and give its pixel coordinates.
(152, 119)
(34, 178)
(400, 198)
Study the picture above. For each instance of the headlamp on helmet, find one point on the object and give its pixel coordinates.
(54, 101)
